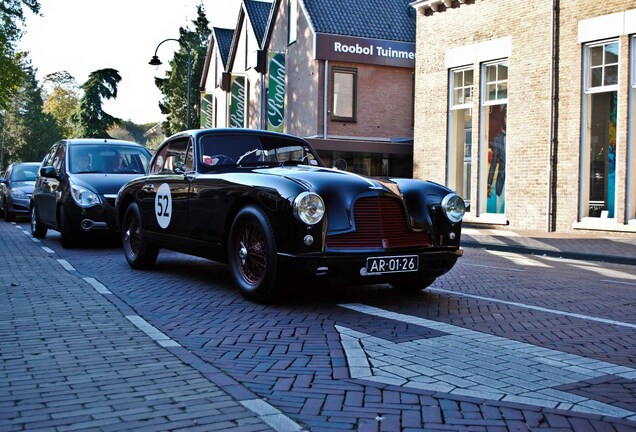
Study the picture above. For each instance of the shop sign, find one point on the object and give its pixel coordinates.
(207, 111)
(237, 102)
(276, 93)
(364, 50)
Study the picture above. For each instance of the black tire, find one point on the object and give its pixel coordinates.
(252, 255)
(37, 229)
(8, 215)
(68, 235)
(412, 285)
(139, 252)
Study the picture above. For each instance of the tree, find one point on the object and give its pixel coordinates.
(28, 131)
(174, 85)
(61, 99)
(89, 119)
(11, 73)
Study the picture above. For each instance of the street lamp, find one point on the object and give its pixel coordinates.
(156, 62)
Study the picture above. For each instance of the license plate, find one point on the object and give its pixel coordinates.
(392, 264)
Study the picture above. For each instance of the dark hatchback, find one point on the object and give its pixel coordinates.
(264, 203)
(16, 187)
(77, 185)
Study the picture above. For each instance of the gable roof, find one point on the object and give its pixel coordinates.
(375, 19)
(258, 14)
(224, 41)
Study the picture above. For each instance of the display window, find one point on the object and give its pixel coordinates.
(460, 132)
(344, 94)
(494, 110)
(600, 103)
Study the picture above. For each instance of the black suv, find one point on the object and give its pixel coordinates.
(77, 184)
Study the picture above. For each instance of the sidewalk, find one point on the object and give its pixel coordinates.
(591, 246)
(74, 357)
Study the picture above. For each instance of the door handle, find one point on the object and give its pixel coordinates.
(148, 188)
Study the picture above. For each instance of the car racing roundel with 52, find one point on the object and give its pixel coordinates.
(163, 205)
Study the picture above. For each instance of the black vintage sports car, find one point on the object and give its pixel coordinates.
(263, 202)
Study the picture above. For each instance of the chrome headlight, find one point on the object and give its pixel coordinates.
(454, 207)
(84, 197)
(17, 193)
(309, 208)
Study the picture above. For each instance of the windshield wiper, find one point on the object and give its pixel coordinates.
(257, 151)
(88, 172)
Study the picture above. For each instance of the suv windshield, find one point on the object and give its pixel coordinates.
(107, 159)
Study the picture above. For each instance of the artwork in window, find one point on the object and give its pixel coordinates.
(602, 136)
(497, 117)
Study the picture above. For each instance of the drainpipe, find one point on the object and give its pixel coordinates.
(263, 109)
(554, 118)
(325, 94)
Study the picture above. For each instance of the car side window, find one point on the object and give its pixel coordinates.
(58, 159)
(173, 158)
(48, 159)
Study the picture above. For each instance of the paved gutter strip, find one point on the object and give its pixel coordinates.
(537, 308)
(271, 415)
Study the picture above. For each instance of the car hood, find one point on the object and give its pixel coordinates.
(103, 183)
(338, 189)
(25, 186)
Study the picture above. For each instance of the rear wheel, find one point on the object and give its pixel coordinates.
(139, 252)
(37, 229)
(412, 285)
(252, 255)
(68, 235)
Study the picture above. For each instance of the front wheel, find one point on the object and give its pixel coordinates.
(412, 285)
(252, 255)
(68, 235)
(9, 216)
(37, 229)
(139, 252)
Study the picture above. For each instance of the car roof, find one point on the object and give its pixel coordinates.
(232, 131)
(94, 141)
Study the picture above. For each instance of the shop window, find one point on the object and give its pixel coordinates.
(292, 27)
(494, 110)
(599, 135)
(460, 132)
(344, 94)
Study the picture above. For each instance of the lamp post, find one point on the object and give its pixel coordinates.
(156, 62)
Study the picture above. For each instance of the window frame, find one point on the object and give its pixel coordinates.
(292, 21)
(630, 192)
(584, 147)
(354, 103)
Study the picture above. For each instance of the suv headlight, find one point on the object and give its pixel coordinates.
(17, 193)
(309, 208)
(84, 197)
(454, 207)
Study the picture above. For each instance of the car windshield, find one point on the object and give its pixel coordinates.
(24, 172)
(253, 150)
(107, 159)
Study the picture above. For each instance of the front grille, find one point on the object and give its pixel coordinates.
(380, 223)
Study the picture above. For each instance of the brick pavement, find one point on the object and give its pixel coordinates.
(292, 354)
(70, 360)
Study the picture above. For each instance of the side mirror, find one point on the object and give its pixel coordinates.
(3, 180)
(48, 172)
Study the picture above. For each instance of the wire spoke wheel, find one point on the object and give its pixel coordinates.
(140, 253)
(132, 236)
(252, 253)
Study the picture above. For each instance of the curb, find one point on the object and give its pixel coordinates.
(557, 254)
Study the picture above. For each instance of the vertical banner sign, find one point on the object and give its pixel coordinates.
(237, 102)
(207, 111)
(276, 93)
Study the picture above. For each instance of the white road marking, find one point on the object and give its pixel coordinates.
(48, 250)
(470, 363)
(151, 331)
(97, 285)
(66, 265)
(619, 282)
(538, 308)
(271, 415)
(491, 267)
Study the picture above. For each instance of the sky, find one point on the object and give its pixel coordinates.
(81, 36)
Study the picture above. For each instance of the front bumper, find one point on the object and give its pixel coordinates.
(351, 266)
(19, 206)
(95, 218)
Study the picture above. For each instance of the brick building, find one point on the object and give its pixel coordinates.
(214, 102)
(527, 109)
(339, 74)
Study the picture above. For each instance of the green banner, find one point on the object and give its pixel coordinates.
(207, 111)
(276, 93)
(237, 102)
